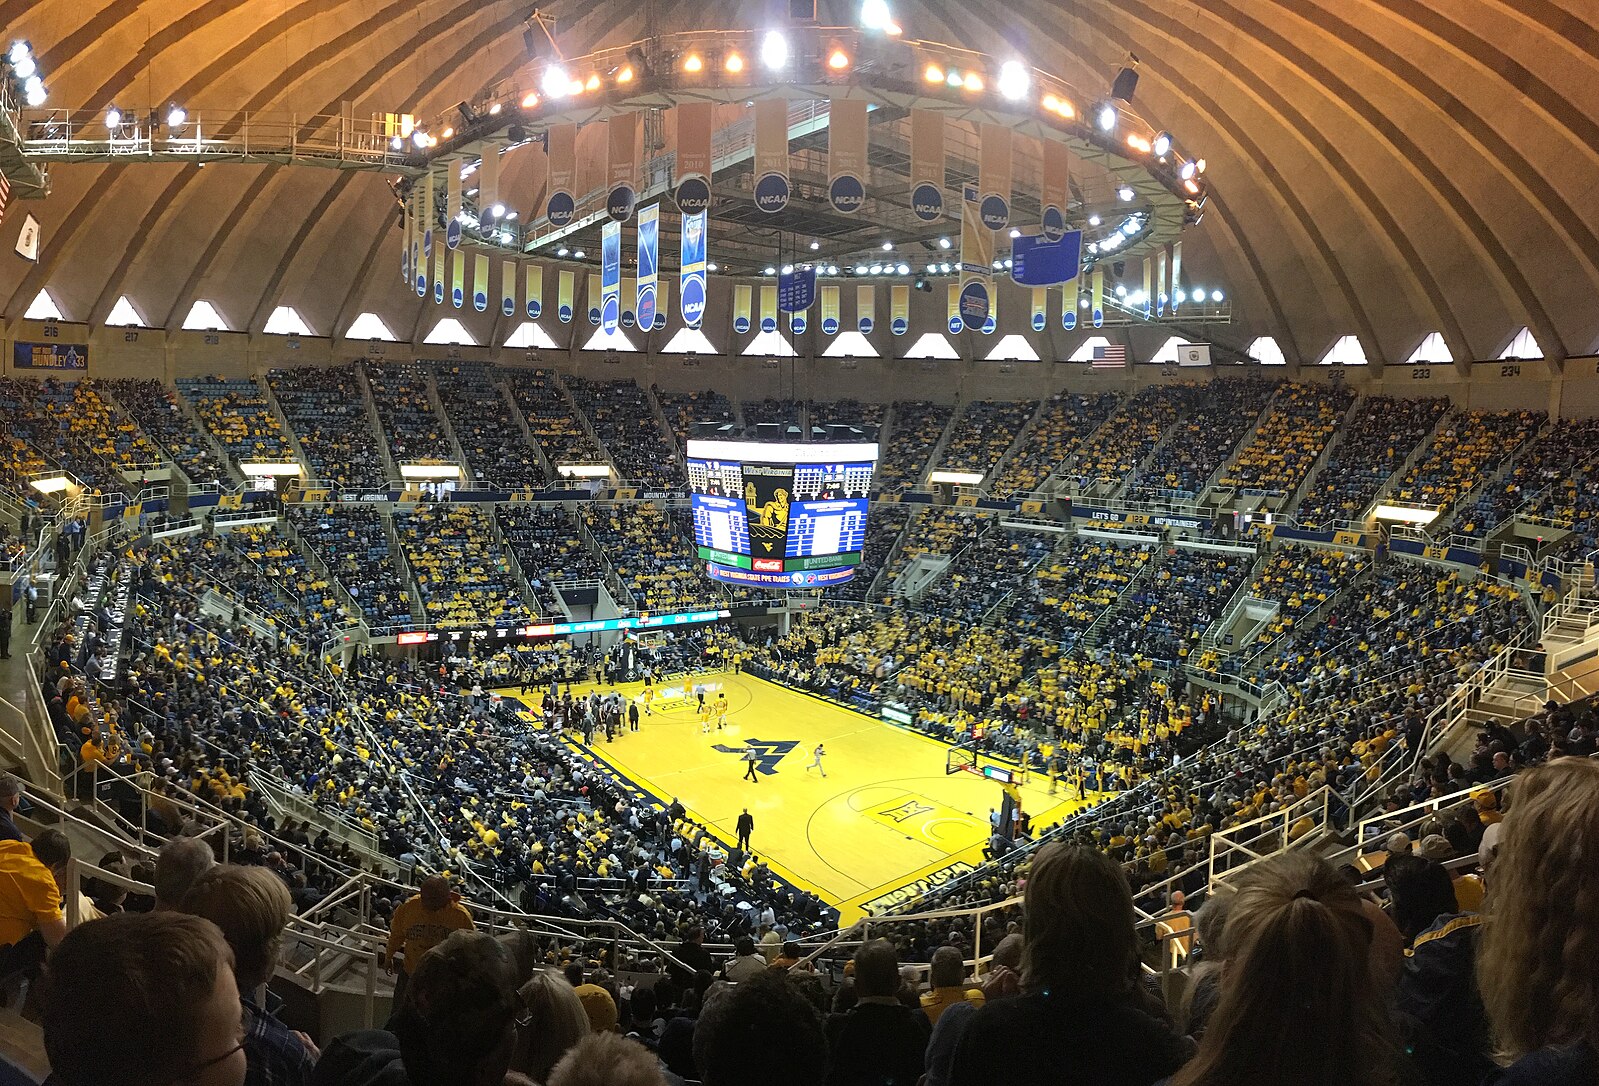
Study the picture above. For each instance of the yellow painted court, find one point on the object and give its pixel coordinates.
(884, 823)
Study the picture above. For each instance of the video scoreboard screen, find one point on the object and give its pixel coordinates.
(780, 515)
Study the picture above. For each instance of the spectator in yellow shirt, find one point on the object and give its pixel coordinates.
(420, 924)
(31, 918)
(945, 977)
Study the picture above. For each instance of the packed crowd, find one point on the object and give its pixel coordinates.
(485, 426)
(915, 430)
(76, 428)
(551, 419)
(1467, 449)
(413, 430)
(1300, 580)
(464, 577)
(984, 433)
(626, 425)
(1369, 451)
(884, 529)
(1168, 611)
(327, 413)
(685, 410)
(545, 542)
(1286, 445)
(154, 407)
(1080, 581)
(235, 411)
(350, 541)
(1216, 418)
(1108, 455)
(1066, 422)
(985, 571)
(1544, 479)
(650, 556)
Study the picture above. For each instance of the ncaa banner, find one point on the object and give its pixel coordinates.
(610, 276)
(458, 279)
(993, 174)
(1176, 275)
(741, 308)
(1160, 283)
(695, 120)
(533, 291)
(663, 305)
(991, 321)
(429, 216)
(768, 309)
(1068, 306)
(1040, 308)
(1096, 307)
(629, 302)
(621, 165)
(565, 289)
(865, 309)
(771, 155)
(419, 272)
(830, 311)
(488, 181)
(846, 155)
(561, 151)
(899, 309)
(649, 241)
(953, 309)
(452, 203)
(796, 289)
(927, 164)
(480, 283)
(797, 322)
(977, 259)
(1056, 189)
(405, 248)
(1148, 298)
(438, 275)
(691, 273)
(594, 299)
(508, 288)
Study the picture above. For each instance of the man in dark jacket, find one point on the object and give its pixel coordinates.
(880, 1041)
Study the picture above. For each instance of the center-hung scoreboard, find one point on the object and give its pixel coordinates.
(780, 515)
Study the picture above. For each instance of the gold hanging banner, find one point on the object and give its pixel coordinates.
(829, 311)
(741, 307)
(565, 300)
(865, 309)
(508, 288)
(927, 164)
(768, 308)
(899, 309)
(533, 291)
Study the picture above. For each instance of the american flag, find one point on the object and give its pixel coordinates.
(1109, 355)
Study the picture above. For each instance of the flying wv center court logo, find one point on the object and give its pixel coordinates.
(768, 753)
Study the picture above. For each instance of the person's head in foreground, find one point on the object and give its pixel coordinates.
(458, 1024)
(607, 1059)
(1538, 960)
(763, 1030)
(1298, 1005)
(251, 907)
(143, 999)
(553, 1021)
(1079, 941)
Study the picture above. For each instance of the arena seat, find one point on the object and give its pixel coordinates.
(497, 452)
(155, 408)
(551, 418)
(1367, 454)
(238, 415)
(915, 428)
(328, 415)
(1065, 423)
(625, 422)
(413, 430)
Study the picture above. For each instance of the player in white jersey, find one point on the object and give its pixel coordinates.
(816, 761)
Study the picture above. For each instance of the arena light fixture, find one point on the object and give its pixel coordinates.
(710, 267)
(19, 50)
(50, 484)
(1139, 143)
(447, 133)
(1093, 220)
(1105, 117)
(1162, 144)
(113, 117)
(497, 210)
(875, 15)
(838, 60)
(888, 246)
(943, 243)
(579, 255)
(1015, 232)
(1187, 170)
(815, 245)
(530, 99)
(1216, 296)
(788, 269)
(177, 117)
(419, 136)
(933, 73)
(1014, 80)
(625, 74)
(562, 251)
(24, 67)
(1125, 193)
(733, 63)
(33, 91)
(556, 82)
(954, 78)
(903, 269)
(1192, 186)
(769, 270)
(973, 82)
(592, 82)
(774, 49)
(693, 63)
(1406, 513)
(494, 109)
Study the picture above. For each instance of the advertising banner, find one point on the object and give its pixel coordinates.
(50, 356)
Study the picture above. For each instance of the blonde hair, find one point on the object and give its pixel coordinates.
(1298, 1006)
(607, 1059)
(251, 906)
(556, 1022)
(1538, 958)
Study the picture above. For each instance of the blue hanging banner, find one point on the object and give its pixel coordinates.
(1038, 262)
(649, 232)
(691, 277)
(610, 276)
(796, 290)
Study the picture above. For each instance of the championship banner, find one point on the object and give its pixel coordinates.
(508, 288)
(565, 288)
(1176, 275)
(561, 149)
(458, 279)
(768, 309)
(1096, 308)
(993, 174)
(1056, 189)
(429, 216)
(691, 258)
(405, 246)
(629, 302)
(452, 203)
(593, 298)
(865, 309)
(610, 276)
(954, 309)
(621, 165)
(480, 283)
(991, 321)
(977, 260)
(771, 155)
(829, 311)
(649, 239)
(438, 275)
(695, 120)
(899, 309)
(1149, 302)
(663, 304)
(1160, 283)
(846, 155)
(533, 291)
(741, 308)
(1040, 308)
(1068, 305)
(488, 181)
(797, 322)
(927, 164)
(419, 271)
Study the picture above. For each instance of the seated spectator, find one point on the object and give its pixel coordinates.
(608, 1059)
(143, 1000)
(1419, 892)
(11, 789)
(1537, 968)
(599, 1006)
(553, 1020)
(1300, 1002)
(31, 916)
(763, 1031)
(1204, 979)
(178, 866)
(456, 1026)
(879, 1040)
(419, 925)
(251, 907)
(946, 979)
(746, 964)
(1081, 1015)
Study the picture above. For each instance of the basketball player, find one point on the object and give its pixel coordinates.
(649, 696)
(721, 711)
(816, 761)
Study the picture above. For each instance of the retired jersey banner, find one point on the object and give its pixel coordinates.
(452, 203)
(1176, 275)
(438, 275)
(458, 279)
(610, 276)
(1040, 308)
(621, 166)
(663, 305)
(899, 309)
(796, 289)
(691, 274)
(565, 302)
(768, 308)
(480, 283)
(830, 311)
(865, 309)
(508, 288)
(533, 291)
(695, 120)
(741, 308)
(1056, 190)
(593, 298)
(993, 174)
(953, 309)
(1096, 305)
(846, 154)
(629, 300)
(927, 164)
(771, 155)
(649, 241)
(561, 149)
(1160, 283)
